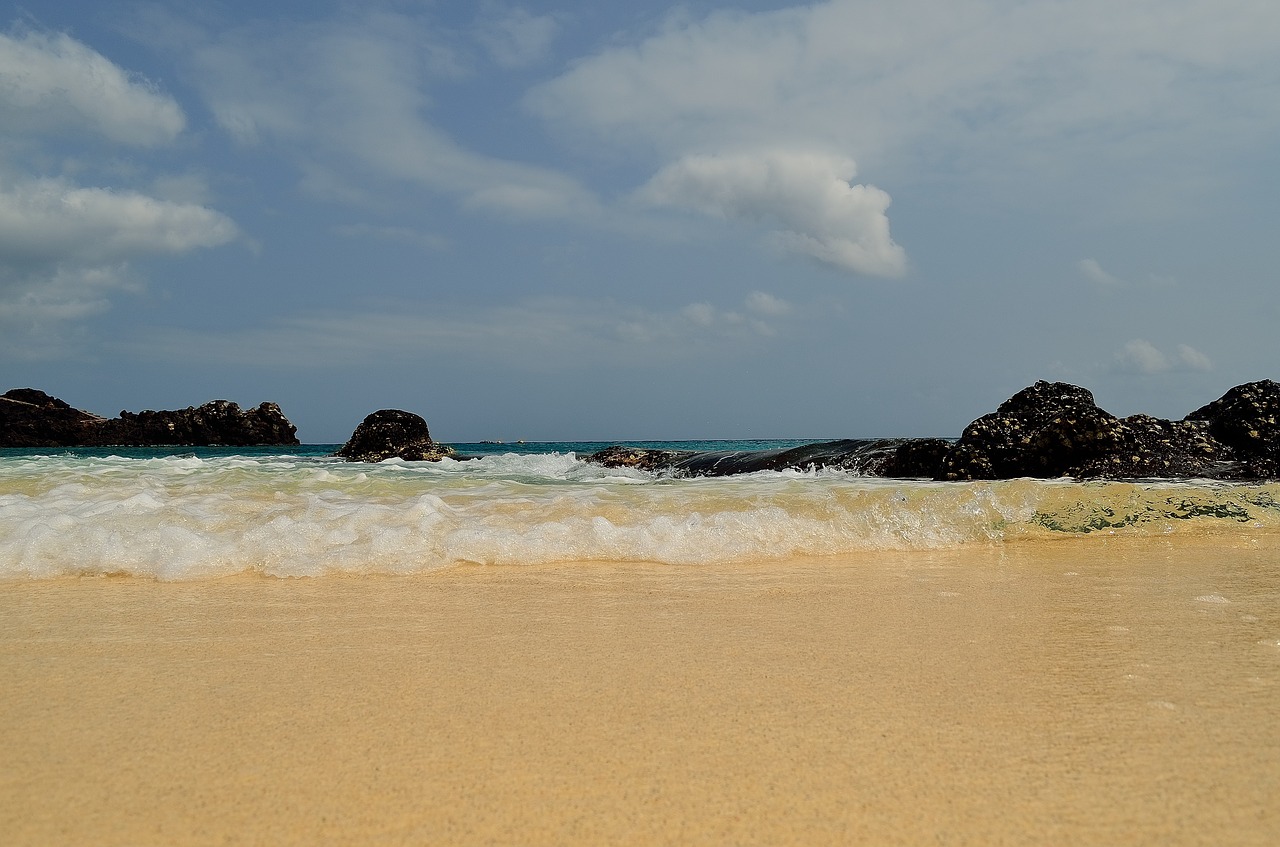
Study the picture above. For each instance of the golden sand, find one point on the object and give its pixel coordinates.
(1092, 692)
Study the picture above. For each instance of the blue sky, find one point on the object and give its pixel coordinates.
(619, 221)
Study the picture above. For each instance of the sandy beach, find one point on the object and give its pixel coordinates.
(1098, 691)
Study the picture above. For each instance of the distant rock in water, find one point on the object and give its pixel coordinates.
(31, 418)
(1047, 430)
(392, 433)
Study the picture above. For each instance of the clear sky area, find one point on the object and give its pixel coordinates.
(608, 221)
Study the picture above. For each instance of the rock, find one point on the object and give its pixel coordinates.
(1040, 431)
(1247, 417)
(915, 457)
(1143, 446)
(1050, 429)
(641, 458)
(880, 457)
(31, 418)
(216, 423)
(1055, 429)
(391, 433)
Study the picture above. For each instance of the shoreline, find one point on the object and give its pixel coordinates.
(1083, 692)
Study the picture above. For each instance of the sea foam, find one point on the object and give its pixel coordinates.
(192, 518)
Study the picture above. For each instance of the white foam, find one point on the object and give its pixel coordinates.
(184, 518)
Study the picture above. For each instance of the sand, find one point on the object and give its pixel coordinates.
(1091, 692)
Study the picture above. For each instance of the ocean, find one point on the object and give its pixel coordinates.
(199, 513)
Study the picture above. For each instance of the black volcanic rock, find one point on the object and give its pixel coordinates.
(1055, 429)
(1041, 431)
(390, 433)
(881, 457)
(1050, 429)
(216, 423)
(914, 457)
(31, 418)
(1143, 446)
(641, 458)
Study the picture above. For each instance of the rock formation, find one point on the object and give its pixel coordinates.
(1050, 429)
(391, 433)
(31, 418)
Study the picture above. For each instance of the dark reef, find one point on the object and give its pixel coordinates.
(1050, 429)
(31, 418)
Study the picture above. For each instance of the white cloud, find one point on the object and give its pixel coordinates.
(50, 221)
(1141, 356)
(1002, 87)
(1094, 272)
(1193, 359)
(52, 83)
(821, 213)
(513, 37)
(65, 249)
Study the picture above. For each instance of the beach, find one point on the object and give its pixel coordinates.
(1094, 690)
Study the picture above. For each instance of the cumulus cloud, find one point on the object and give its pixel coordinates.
(1141, 356)
(52, 83)
(50, 221)
(821, 213)
(64, 249)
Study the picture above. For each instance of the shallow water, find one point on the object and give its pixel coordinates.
(198, 517)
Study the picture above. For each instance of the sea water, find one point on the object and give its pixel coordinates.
(289, 512)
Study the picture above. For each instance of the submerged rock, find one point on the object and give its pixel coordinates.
(31, 418)
(393, 433)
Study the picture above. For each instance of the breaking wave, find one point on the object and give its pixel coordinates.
(177, 518)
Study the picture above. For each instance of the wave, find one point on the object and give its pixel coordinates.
(193, 518)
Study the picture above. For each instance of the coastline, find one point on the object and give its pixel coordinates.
(1084, 691)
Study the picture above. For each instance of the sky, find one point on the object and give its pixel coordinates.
(611, 221)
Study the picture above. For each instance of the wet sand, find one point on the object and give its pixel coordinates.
(1091, 692)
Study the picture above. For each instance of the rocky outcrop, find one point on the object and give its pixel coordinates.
(216, 423)
(31, 418)
(1247, 419)
(392, 433)
(1055, 429)
(1050, 429)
